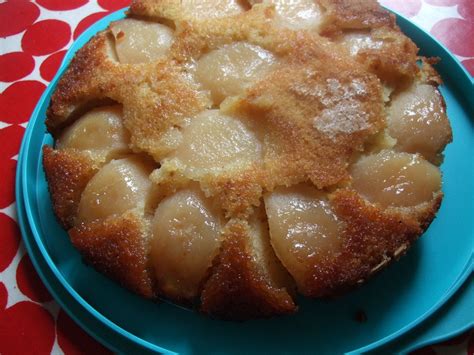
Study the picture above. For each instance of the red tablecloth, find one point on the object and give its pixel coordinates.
(34, 37)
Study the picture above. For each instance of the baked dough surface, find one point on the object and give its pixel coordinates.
(231, 154)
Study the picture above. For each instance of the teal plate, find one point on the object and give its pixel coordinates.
(454, 318)
(396, 301)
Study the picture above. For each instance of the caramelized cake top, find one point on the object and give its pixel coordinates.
(224, 154)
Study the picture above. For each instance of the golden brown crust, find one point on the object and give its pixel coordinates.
(176, 11)
(428, 74)
(395, 61)
(158, 9)
(237, 290)
(155, 96)
(80, 84)
(256, 26)
(237, 194)
(158, 103)
(372, 237)
(67, 172)
(118, 247)
(294, 105)
(354, 14)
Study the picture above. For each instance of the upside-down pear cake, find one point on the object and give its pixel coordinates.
(226, 154)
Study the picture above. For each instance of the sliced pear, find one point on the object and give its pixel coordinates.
(205, 9)
(138, 41)
(213, 141)
(355, 41)
(418, 121)
(395, 179)
(99, 131)
(303, 227)
(186, 237)
(264, 255)
(297, 14)
(229, 70)
(119, 186)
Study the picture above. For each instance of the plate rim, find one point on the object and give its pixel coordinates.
(22, 181)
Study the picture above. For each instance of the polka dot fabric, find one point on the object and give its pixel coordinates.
(450, 21)
(34, 37)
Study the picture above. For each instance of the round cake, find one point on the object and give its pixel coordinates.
(227, 155)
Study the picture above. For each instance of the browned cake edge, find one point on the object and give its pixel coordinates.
(236, 289)
(67, 173)
(372, 238)
(118, 247)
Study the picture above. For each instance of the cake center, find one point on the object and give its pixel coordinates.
(214, 141)
(229, 70)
